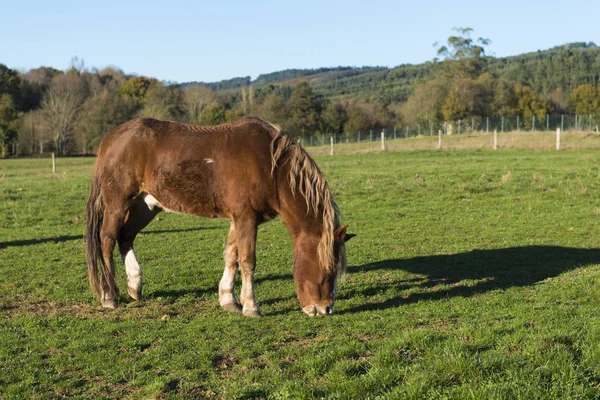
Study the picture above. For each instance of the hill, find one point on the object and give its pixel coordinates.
(562, 67)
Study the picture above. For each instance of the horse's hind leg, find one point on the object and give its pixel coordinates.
(114, 213)
(226, 297)
(246, 247)
(138, 217)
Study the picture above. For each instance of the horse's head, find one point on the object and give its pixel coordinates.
(315, 285)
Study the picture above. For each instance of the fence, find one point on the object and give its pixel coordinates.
(565, 122)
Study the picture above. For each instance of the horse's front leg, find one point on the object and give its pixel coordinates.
(226, 297)
(246, 247)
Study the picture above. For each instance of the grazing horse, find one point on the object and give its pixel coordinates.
(247, 171)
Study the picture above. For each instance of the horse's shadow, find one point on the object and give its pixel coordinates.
(68, 238)
(465, 274)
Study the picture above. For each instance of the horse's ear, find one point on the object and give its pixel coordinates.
(341, 235)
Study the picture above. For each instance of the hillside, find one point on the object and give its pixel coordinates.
(564, 67)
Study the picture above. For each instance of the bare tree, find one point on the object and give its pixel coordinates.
(196, 98)
(60, 106)
(33, 134)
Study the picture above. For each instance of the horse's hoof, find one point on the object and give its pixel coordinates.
(232, 307)
(252, 313)
(135, 294)
(109, 303)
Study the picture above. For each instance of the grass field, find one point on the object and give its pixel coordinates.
(474, 275)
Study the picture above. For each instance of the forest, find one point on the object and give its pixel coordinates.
(69, 112)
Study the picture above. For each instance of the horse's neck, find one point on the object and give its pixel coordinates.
(305, 227)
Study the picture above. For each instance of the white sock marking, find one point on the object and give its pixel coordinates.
(133, 270)
(226, 286)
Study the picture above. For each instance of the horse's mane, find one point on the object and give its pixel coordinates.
(306, 178)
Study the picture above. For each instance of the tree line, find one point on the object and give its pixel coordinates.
(69, 112)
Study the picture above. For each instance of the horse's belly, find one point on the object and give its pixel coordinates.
(194, 207)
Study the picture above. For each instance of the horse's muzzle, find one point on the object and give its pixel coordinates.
(313, 310)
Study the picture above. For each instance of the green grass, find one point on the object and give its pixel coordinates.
(474, 275)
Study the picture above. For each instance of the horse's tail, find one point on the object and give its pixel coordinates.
(95, 212)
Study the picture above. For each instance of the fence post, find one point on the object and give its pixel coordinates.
(458, 127)
(347, 139)
(596, 130)
(53, 164)
(430, 128)
(590, 124)
(533, 124)
(440, 139)
(502, 125)
(371, 136)
(547, 122)
(419, 130)
(383, 140)
(406, 136)
(517, 123)
(557, 138)
(358, 136)
(562, 122)
(331, 140)
(394, 133)
(487, 124)
(495, 139)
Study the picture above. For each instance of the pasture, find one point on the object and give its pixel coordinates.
(474, 275)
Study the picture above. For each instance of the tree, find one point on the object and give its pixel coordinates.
(60, 106)
(100, 114)
(358, 119)
(136, 87)
(379, 115)
(425, 104)
(476, 95)
(247, 99)
(333, 117)
(112, 79)
(585, 99)
(272, 108)
(33, 86)
(463, 56)
(303, 109)
(213, 114)
(161, 102)
(9, 122)
(559, 100)
(505, 101)
(529, 104)
(10, 84)
(232, 114)
(195, 98)
(32, 133)
(453, 109)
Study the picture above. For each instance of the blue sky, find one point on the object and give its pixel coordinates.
(209, 41)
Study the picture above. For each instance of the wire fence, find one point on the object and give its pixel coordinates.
(472, 125)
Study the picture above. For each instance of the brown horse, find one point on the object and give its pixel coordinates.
(246, 170)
